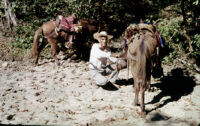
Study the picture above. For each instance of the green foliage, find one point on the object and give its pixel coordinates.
(116, 13)
(169, 58)
(170, 30)
(24, 36)
(2, 14)
(196, 2)
(174, 18)
(196, 46)
(173, 33)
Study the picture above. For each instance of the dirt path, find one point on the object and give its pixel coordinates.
(64, 95)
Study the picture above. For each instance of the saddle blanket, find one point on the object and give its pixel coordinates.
(67, 24)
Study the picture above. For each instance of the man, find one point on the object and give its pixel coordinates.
(101, 61)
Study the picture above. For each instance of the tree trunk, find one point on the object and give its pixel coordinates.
(189, 41)
(11, 18)
(183, 12)
(6, 12)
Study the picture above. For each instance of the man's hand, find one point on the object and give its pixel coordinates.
(103, 61)
(109, 62)
(121, 64)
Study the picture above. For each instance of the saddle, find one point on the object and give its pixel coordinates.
(65, 24)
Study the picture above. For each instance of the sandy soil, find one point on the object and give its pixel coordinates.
(51, 95)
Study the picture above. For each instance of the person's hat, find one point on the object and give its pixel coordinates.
(102, 34)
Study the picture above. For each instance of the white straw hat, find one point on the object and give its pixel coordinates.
(102, 34)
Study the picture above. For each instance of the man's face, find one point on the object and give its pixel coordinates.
(103, 42)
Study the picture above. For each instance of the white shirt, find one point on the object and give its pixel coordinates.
(96, 54)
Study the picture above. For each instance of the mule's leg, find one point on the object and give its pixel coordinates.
(136, 84)
(148, 86)
(148, 82)
(53, 50)
(137, 90)
(148, 77)
(43, 44)
(142, 106)
(63, 48)
(36, 58)
(35, 54)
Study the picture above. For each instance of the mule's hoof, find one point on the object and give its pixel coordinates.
(143, 114)
(35, 64)
(135, 104)
(58, 64)
(148, 86)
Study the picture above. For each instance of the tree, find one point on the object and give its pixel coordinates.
(11, 18)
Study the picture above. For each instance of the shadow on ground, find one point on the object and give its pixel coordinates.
(175, 85)
(125, 82)
(159, 117)
(110, 87)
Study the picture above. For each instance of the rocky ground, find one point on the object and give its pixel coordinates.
(64, 95)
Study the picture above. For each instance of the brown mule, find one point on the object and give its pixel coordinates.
(142, 55)
(85, 39)
(92, 25)
(53, 36)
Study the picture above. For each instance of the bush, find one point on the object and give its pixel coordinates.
(24, 36)
(118, 14)
(196, 46)
(32, 14)
(170, 31)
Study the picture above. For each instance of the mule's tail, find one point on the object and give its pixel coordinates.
(141, 61)
(35, 45)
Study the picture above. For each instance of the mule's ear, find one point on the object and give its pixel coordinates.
(141, 21)
(74, 15)
(154, 28)
(60, 17)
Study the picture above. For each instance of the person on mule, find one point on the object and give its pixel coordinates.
(103, 67)
(66, 24)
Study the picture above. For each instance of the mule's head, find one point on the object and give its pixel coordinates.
(83, 22)
(77, 28)
(92, 25)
